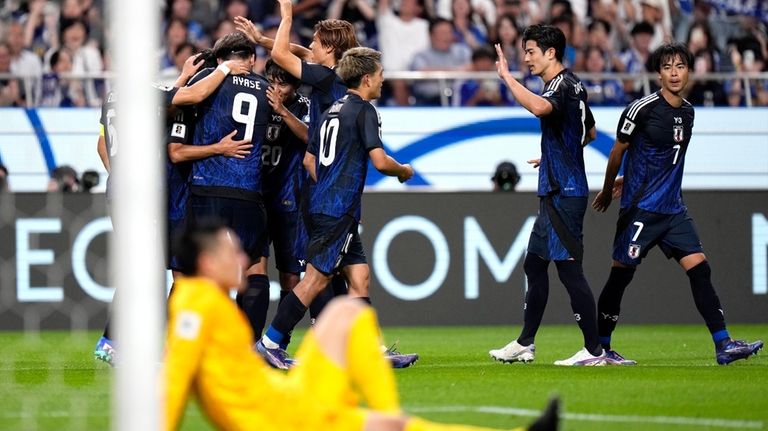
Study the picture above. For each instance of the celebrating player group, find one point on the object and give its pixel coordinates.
(252, 162)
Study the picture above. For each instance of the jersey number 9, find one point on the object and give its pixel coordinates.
(249, 118)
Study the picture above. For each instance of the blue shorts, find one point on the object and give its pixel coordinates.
(637, 231)
(557, 233)
(334, 243)
(282, 234)
(248, 219)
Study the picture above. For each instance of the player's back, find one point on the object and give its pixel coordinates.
(326, 88)
(348, 130)
(658, 135)
(240, 103)
(563, 134)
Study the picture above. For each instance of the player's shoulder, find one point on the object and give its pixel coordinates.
(642, 105)
(202, 73)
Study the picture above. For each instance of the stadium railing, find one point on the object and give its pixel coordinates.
(446, 80)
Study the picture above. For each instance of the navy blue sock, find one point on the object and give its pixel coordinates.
(609, 303)
(289, 314)
(254, 301)
(321, 300)
(535, 298)
(287, 339)
(706, 300)
(583, 305)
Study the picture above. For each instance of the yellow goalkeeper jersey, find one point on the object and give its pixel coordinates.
(209, 354)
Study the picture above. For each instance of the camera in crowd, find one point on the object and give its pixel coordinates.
(65, 179)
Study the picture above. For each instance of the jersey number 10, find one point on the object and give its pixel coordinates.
(329, 132)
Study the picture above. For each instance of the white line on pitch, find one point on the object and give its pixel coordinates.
(593, 417)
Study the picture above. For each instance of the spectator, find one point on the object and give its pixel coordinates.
(444, 54)
(175, 35)
(488, 92)
(183, 52)
(41, 27)
(599, 36)
(58, 91)
(401, 36)
(602, 92)
(85, 57)
(11, 90)
(507, 35)
(656, 13)
(506, 178)
(223, 28)
(4, 179)
(526, 12)
(747, 56)
(700, 38)
(182, 10)
(565, 23)
(469, 27)
(362, 15)
(705, 93)
(24, 62)
(635, 59)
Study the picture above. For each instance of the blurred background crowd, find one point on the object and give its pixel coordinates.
(52, 52)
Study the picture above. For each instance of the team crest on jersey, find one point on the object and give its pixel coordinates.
(273, 132)
(677, 133)
(634, 251)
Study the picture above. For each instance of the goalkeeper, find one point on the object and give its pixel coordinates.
(340, 362)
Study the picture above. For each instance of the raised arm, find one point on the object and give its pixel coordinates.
(534, 103)
(281, 52)
(253, 33)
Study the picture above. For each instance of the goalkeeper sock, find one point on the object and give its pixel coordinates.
(369, 372)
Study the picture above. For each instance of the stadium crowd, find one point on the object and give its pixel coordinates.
(48, 40)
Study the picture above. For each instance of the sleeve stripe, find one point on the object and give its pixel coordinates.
(640, 104)
(555, 83)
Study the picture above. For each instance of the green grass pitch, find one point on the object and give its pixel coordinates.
(49, 381)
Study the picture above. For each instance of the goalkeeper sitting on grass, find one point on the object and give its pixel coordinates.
(340, 363)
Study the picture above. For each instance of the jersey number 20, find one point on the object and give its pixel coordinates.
(329, 131)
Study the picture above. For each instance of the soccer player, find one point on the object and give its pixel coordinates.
(231, 188)
(337, 159)
(282, 158)
(178, 130)
(315, 68)
(208, 353)
(654, 132)
(567, 125)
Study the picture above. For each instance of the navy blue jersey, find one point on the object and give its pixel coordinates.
(348, 130)
(563, 134)
(282, 159)
(327, 88)
(240, 103)
(108, 123)
(179, 127)
(658, 135)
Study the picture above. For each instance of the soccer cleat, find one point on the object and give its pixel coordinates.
(105, 351)
(276, 358)
(614, 358)
(399, 360)
(737, 349)
(549, 419)
(514, 352)
(584, 358)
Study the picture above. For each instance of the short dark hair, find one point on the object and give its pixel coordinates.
(546, 36)
(192, 239)
(233, 45)
(356, 63)
(185, 45)
(643, 27)
(274, 72)
(669, 51)
(483, 51)
(55, 58)
(599, 22)
(437, 21)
